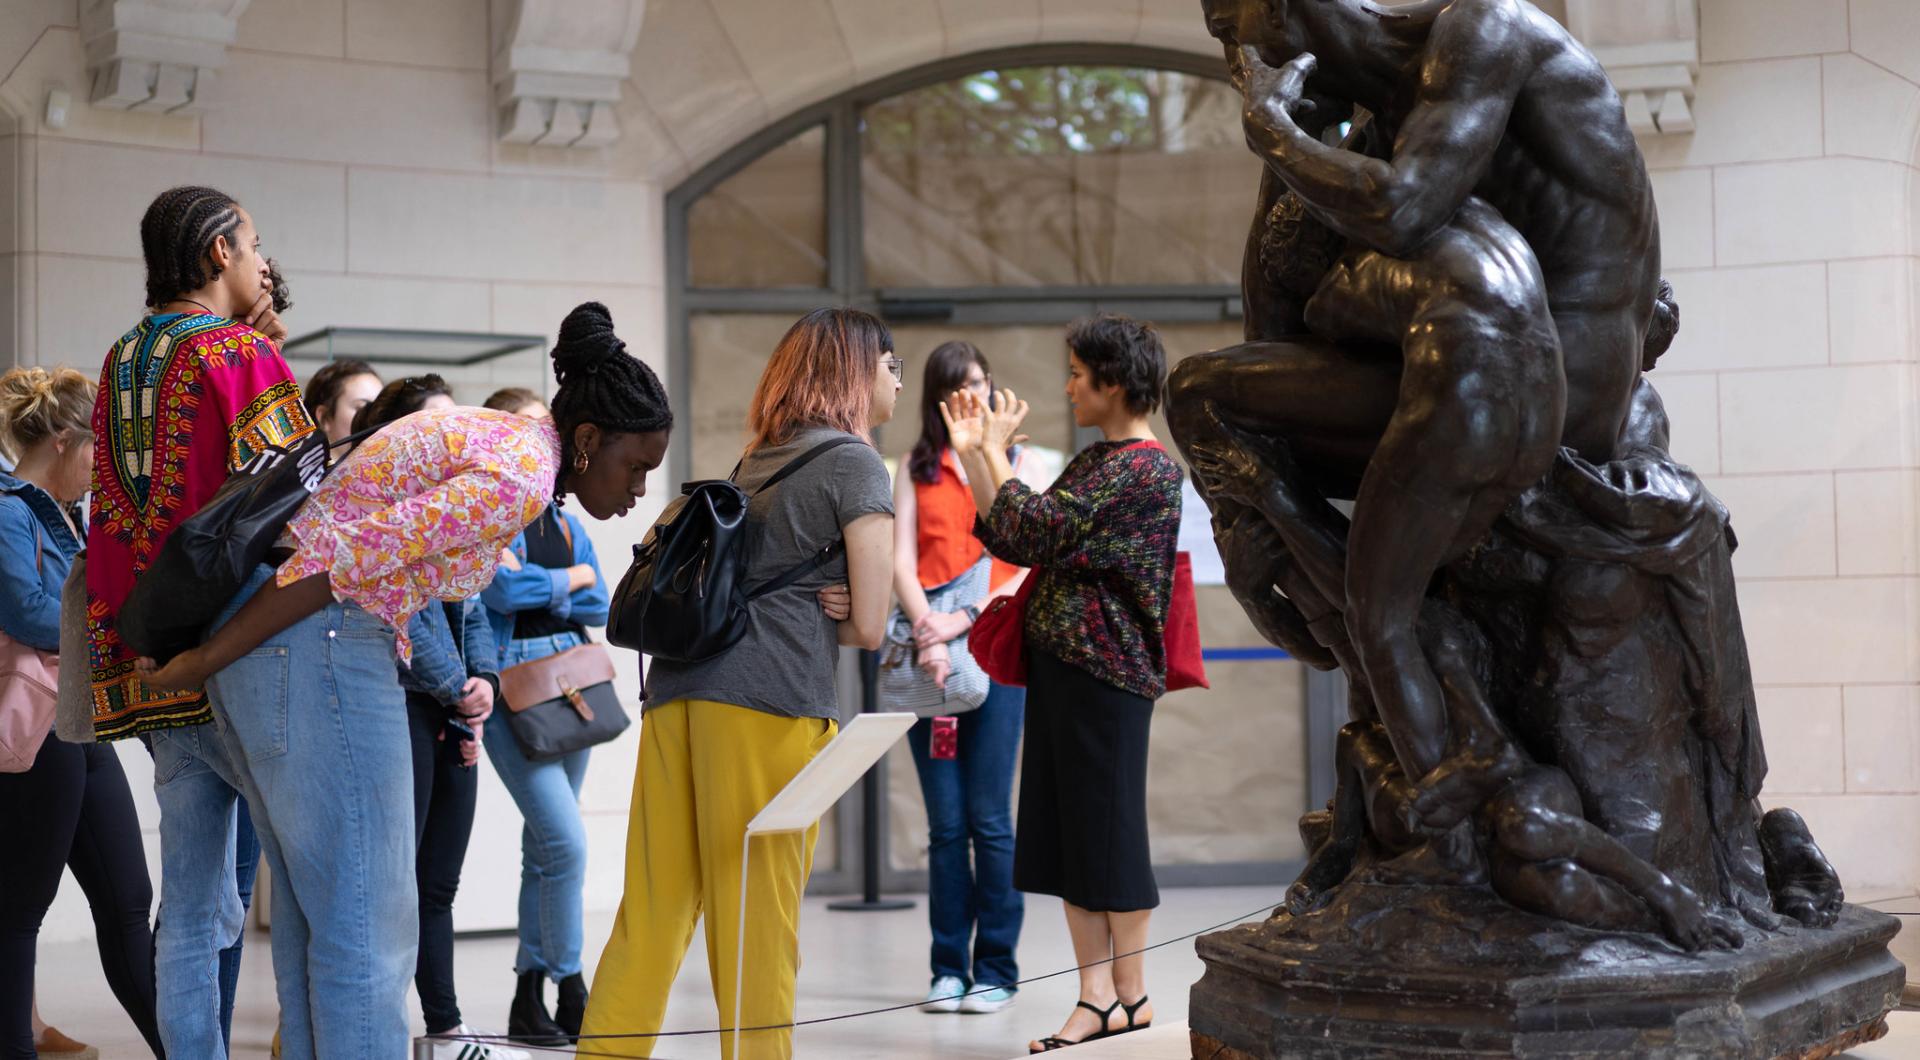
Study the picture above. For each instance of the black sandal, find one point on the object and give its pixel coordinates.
(1130, 1010)
(1054, 1041)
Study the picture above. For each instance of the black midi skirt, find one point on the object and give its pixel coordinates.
(1082, 828)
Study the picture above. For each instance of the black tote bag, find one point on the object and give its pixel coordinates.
(211, 553)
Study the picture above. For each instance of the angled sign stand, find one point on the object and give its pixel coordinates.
(805, 799)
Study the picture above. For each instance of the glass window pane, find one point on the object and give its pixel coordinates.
(1059, 175)
(765, 226)
(728, 352)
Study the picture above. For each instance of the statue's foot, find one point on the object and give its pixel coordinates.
(1802, 880)
(1689, 924)
(1330, 864)
(1315, 828)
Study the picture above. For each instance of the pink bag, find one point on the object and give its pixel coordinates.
(29, 687)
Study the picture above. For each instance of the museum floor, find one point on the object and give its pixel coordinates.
(853, 962)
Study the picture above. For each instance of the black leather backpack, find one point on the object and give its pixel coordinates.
(685, 599)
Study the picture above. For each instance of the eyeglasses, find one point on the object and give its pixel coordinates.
(897, 367)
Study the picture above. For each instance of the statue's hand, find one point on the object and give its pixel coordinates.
(1274, 99)
(1229, 472)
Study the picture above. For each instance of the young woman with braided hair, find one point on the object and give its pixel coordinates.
(548, 590)
(193, 390)
(301, 666)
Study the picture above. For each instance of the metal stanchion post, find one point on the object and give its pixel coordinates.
(870, 795)
(422, 1049)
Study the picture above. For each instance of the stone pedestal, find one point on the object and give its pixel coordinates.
(1394, 971)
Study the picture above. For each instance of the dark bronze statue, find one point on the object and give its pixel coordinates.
(1554, 764)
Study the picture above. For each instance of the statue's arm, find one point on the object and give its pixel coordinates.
(1478, 58)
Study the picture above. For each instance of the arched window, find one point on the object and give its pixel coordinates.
(996, 198)
(993, 198)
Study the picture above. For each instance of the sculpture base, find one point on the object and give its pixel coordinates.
(1395, 971)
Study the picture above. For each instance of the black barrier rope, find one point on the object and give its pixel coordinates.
(517, 1043)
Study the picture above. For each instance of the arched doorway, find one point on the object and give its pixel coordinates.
(996, 197)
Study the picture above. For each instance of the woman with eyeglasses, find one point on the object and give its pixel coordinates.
(968, 788)
(723, 736)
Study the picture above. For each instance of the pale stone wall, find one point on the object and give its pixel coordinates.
(1790, 237)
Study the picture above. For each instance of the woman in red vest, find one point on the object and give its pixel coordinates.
(968, 783)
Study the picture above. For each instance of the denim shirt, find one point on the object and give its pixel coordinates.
(30, 598)
(537, 588)
(442, 662)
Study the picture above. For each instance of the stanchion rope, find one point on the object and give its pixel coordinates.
(519, 1043)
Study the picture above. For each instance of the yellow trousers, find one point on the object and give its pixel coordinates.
(705, 770)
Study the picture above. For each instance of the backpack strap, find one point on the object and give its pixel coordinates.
(820, 559)
(803, 460)
(826, 555)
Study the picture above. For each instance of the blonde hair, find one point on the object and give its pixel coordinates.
(39, 403)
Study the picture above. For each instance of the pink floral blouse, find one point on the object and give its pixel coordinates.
(421, 510)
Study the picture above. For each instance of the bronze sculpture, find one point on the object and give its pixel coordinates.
(1553, 766)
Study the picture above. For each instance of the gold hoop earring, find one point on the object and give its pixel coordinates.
(580, 461)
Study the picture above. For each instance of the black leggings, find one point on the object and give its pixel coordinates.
(73, 809)
(443, 796)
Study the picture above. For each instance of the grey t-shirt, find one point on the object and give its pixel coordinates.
(785, 664)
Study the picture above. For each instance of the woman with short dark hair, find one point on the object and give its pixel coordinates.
(1101, 542)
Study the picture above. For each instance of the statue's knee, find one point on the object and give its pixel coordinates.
(1528, 833)
(1189, 386)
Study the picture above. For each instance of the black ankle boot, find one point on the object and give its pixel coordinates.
(528, 1020)
(572, 1007)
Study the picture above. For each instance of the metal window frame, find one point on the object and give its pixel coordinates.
(847, 285)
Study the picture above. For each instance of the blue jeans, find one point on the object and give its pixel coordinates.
(246, 867)
(197, 787)
(970, 895)
(553, 843)
(315, 720)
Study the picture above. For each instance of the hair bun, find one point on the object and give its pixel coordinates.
(586, 341)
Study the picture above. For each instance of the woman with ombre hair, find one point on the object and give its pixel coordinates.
(723, 736)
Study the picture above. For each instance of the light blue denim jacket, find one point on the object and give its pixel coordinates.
(537, 588)
(442, 662)
(30, 597)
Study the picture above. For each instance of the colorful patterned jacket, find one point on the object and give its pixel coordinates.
(1102, 540)
(184, 400)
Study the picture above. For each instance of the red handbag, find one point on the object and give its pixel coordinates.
(1184, 666)
(998, 639)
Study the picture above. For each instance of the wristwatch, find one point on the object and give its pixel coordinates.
(972, 613)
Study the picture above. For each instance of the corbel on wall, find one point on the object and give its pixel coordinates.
(157, 55)
(558, 66)
(1651, 50)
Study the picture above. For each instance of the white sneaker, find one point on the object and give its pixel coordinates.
(945, 995)
(449, 1046)
(986, 999)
